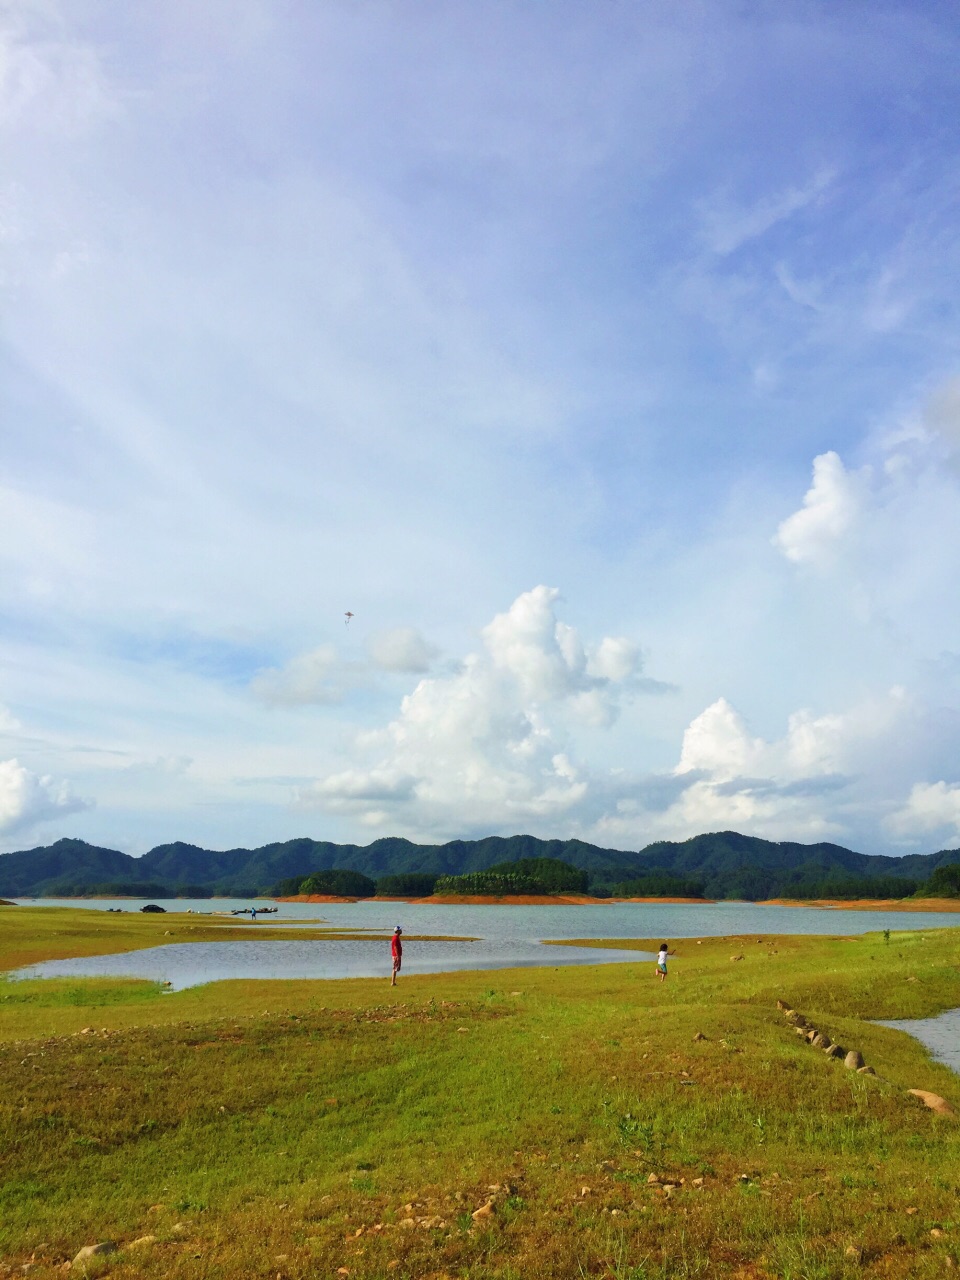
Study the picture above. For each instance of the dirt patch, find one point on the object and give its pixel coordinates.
(871, 904)
(708, 901)
(316, 897)
(511, 900)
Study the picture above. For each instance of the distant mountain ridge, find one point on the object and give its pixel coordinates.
(729, 865)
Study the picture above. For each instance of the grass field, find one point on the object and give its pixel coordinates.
(569, 1122)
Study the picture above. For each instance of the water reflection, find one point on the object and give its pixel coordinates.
(189, 964)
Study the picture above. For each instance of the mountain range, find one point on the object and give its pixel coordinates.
(721, 864)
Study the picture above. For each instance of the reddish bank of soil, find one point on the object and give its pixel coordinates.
(315, 897)
(510, 899)
(872, 904)
(709, 901)
(479, 899)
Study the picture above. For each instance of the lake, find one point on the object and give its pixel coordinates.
(488, 937)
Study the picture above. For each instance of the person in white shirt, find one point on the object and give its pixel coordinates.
(662, 962)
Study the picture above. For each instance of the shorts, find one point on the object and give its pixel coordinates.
(662, 968)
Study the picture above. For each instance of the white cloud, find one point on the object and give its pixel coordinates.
(931, 806)
(27, 798)
(830, 509)
(402, 649)
(486, 746)
(319, 676)
(728, 226)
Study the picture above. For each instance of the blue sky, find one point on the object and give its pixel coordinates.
(602, 360)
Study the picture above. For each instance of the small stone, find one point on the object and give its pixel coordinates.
(933, 1101)
(141, 1242)
(812, 1034)
(94, 1251)
(736, 957)
(821, 1041)
(835, 1051)
(697, 1182)
(584, 1191)
(652, 1179)
(912, 1210)
(485, 1211)
(408, 1224)
(179, 1229)
(854, 1253)
(854, 1060)
(699, 1036)
(936, 1232)
(782, 1005)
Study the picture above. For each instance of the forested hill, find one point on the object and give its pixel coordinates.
(720, 865)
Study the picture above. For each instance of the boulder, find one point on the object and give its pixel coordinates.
(854, 1060)
(835, 1051)
(821, 1041)
(94, 1251)
(933, 1101)
(865, 1071)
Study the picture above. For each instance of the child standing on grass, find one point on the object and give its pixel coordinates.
(396, 952)
(662, 962)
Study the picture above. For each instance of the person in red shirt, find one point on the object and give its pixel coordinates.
(396, 951)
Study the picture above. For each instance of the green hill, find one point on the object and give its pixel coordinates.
(722, 864)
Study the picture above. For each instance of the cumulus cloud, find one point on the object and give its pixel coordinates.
(487, 746)
(931, 806)
(829, 512)
(27, 798)
(404, 650)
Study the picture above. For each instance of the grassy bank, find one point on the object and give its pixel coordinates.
(604, 1124)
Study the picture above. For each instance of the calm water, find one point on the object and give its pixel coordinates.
(941, 1035)
(488, 937)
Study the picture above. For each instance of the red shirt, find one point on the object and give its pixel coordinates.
(396, 947)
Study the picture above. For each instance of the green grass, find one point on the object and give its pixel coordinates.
(301, 1128)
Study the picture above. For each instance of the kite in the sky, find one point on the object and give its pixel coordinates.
(346, 618)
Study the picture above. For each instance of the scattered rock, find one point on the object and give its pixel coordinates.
(142, 1242)
(180, 1229)
(653, 1179)
(485, 1211)
(782, 1005)
(912, 1210)
(812, 1034)
(699, 1036)
(865, 1071)
(94, 1251)
(821, 1041)
(936, 1232)
(933, 1101)
(584, 1191)
(854, 1060)
(853, 1252)
(736, 957)
(795, 1019)
(409, 1223)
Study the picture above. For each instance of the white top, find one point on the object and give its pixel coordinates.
(662, 956)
